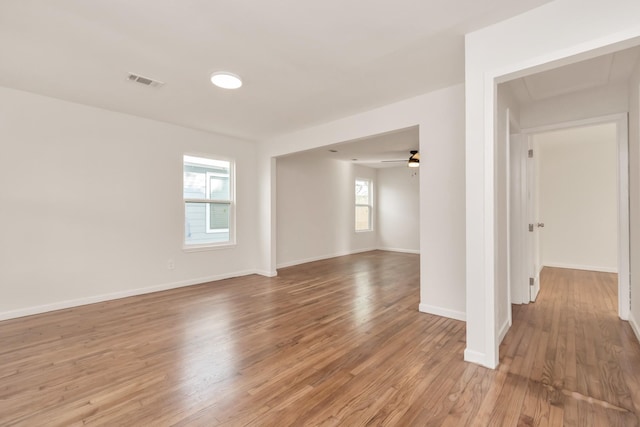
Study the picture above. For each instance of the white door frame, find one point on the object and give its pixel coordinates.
(511, 128)
(621, 122)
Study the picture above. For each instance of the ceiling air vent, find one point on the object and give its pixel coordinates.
(144, 80)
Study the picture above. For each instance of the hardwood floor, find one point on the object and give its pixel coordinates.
(334, 342)
(574, 362)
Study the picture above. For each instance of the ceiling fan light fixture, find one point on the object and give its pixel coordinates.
(414, 160)
(226, 80)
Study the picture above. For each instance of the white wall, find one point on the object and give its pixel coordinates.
(440, 116)
(398, 209)
(554, 34)
(91, 205)
(316, 209)
(634, 197)
(577, 175)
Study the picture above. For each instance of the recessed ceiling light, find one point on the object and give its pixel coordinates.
(226, 80)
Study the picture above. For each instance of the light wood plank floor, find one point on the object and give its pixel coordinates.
(334, 342)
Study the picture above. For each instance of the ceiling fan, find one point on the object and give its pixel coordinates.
(413, 162)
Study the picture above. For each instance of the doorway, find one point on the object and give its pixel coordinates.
(317, 205)
(570, 203)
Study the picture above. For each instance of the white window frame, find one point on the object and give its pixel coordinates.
(231, 203)
(208, 176)
(369, 205)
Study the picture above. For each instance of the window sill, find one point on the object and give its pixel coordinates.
(363, 231)
(202, 248)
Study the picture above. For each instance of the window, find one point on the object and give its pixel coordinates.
(363, 205)
(208, 198)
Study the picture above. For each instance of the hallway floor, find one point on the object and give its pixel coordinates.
(568, 359)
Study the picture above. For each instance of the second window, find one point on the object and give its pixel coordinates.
(364, 205)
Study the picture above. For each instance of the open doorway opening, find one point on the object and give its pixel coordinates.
(576, 197)
(346, 198)
(569, 204)
(566, 133)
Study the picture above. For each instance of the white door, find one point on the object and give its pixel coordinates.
(532, 236)
(524, 225)
(518, 220)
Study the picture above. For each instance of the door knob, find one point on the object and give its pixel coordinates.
(541, 224)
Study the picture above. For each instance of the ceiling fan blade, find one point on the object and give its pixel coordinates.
(391, 161)
(416, 156)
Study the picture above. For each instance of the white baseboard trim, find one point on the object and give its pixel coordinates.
(503, 330)
(321, 257)
(267, 273)
(404, 251)
(444, 312)
(581, 267)
(478, 358)
(474, 357)
(634, 326)
(29, 311)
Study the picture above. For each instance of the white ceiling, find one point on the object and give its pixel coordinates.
(302, 63)
(596, 72)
